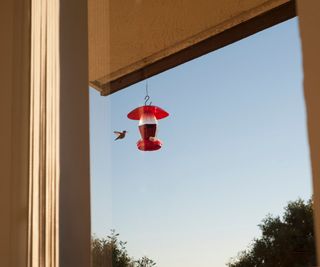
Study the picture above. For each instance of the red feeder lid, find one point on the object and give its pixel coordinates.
(159, 113)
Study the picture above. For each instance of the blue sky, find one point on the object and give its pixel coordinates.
(234, 150)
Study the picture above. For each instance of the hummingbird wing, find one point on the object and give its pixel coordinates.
(120, 135)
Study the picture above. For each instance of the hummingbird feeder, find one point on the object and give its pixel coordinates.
(148, 117)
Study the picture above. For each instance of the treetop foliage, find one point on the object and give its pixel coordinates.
(111, 252)
(285, 242)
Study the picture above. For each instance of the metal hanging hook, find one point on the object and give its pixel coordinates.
(147, 97)
(146, 100)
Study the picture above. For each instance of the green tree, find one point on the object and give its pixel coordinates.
(285, 242)
(111, 252)
(145, 262)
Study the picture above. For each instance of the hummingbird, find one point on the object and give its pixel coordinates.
(120, 135)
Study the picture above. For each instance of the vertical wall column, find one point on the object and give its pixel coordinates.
(44, 136)
(44, 154)
(29, 141)
(309, 20)
(59, 187)
(14, 131)
(74, 136)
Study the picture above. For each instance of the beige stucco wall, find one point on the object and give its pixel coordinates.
(127, 35)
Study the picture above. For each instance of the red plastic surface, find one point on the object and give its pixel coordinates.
(148, 145)
(159, 113)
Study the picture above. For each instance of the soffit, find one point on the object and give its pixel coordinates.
(133, 40)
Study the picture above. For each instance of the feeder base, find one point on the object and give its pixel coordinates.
(149, 145)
